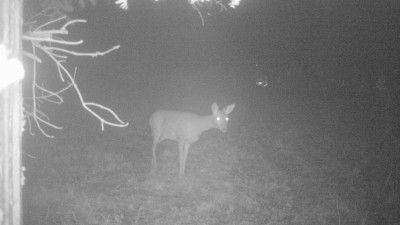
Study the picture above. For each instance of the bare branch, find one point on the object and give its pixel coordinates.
(198, 11)
(197, 4)
(95, 54)
(40, 39)
(50, 22)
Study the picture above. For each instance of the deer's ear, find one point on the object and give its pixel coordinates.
(214, 108)
(229, 108)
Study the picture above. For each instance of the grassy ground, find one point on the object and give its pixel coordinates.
(299, 162)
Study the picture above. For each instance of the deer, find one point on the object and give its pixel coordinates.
(185, 128)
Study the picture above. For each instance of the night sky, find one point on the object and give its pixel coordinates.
(167, 59)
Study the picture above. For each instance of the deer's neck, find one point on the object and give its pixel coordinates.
(207, 123)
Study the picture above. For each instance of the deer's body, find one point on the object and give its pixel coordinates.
(185, 128)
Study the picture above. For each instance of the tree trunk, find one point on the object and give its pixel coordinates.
(11, 119)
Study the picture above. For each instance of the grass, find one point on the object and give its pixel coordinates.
(286, 165)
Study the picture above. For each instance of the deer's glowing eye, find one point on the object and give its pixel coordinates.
(226, 118)
(218, 118)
